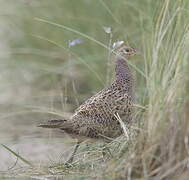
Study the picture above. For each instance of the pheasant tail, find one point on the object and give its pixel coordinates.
(53, 124)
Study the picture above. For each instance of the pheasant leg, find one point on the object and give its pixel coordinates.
(70, 160)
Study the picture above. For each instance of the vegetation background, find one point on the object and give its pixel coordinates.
(43, 77)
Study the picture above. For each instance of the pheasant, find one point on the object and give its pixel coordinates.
(96, 117)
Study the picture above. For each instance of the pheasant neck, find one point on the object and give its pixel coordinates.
(123, 75)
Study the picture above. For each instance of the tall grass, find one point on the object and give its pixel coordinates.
(41, 59)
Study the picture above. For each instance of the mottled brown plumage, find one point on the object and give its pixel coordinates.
(95, 118)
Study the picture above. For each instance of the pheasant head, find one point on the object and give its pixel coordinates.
(125, 52)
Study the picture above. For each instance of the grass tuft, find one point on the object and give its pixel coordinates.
(42, 78)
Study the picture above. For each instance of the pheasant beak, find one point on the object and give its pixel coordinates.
(134, 52)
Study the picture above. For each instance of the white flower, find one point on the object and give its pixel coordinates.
(75, 42)
(108, 30)
(117, 44)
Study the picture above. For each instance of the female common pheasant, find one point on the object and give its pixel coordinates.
(96, 117)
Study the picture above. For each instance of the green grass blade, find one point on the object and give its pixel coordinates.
(18, 156)
(74, 31)
(109, 11)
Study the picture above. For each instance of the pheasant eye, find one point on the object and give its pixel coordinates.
(127, 50)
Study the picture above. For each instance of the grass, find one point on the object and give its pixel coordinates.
(38, 55)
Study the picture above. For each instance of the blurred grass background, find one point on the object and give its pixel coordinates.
(43, 78)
